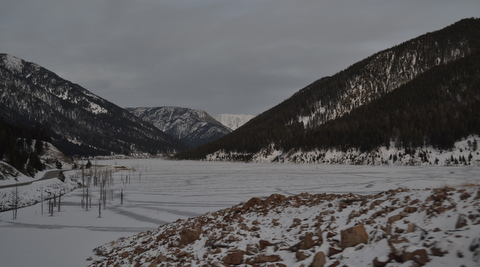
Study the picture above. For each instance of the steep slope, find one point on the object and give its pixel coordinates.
(233, 121)
(79, 122)
(295, 123)
(191, 126)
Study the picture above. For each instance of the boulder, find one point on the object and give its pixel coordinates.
(353, 236)
(300, 255)
(319, 260)
(188, 236)
(234, 257)
(306, 243)
(419, 256)
(263, 244)
(381, 261)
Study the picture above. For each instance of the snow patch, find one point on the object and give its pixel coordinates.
(234, 121)
(13, 63)
(97, 109)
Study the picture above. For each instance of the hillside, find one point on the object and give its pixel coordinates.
(403, 227)
(79, 122)
(391, 96)
(191, 126)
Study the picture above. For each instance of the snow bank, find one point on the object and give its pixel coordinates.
(464, 153)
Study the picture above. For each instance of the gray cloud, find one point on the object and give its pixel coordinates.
(221, 56)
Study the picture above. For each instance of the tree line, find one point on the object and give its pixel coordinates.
(21, 145)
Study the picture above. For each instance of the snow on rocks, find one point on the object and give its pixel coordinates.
(432, 227)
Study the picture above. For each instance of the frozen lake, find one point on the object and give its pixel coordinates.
(162, 191)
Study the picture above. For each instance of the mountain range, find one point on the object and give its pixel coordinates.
(79, 122)
(191, 126)
(421, 93)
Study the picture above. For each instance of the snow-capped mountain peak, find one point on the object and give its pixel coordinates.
(194, 127)
(234, 121)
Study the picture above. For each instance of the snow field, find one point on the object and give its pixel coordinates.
(162, 191)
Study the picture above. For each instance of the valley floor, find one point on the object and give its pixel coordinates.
(160, 192)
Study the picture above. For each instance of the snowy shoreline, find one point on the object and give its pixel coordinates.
(163, 191)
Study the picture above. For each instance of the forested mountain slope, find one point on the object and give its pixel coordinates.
(437, 92)
(193, 127)
(79, 122)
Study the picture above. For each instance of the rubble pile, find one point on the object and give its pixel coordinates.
(402, 227)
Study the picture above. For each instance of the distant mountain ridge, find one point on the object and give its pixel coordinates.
(331, 113)
(233, 121)
(79, 122)
(192, 126)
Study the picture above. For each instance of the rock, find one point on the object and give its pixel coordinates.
(475, 248)
(161, 258)
(461, 221)
(381, 261)
(263, 244)
(334, 250)
(465, 195)
(331, 234)
(394, 218)
(234, 257)
(252, 249)
(301, 255)
(411, 227)
(398, 246)
(419, 256)
(139, 250)
(306, 243)
(319, 260)
(439, 249)
(188, 236)
(262, 258)
(353, 236)
(410, 209)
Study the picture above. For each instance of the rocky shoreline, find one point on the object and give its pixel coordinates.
(402, 227)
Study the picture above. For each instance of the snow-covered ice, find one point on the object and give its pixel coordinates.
(161, 191)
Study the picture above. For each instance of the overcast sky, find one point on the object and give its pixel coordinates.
(242, 56)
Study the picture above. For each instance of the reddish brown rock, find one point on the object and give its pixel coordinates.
(319, 260)
(139, 250)
(234, 257)
(410, 209)
(301, 255)
(419, 256)
(334, 250)
(306, 243)
(188, 236)
(263, 244)
(411, 227)
(161, 258)
(353, 236)
(381, 261)
(461, 221)
(262, 258)
(465, 195)
(438, 252)
(252, 249)
(398, 246)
